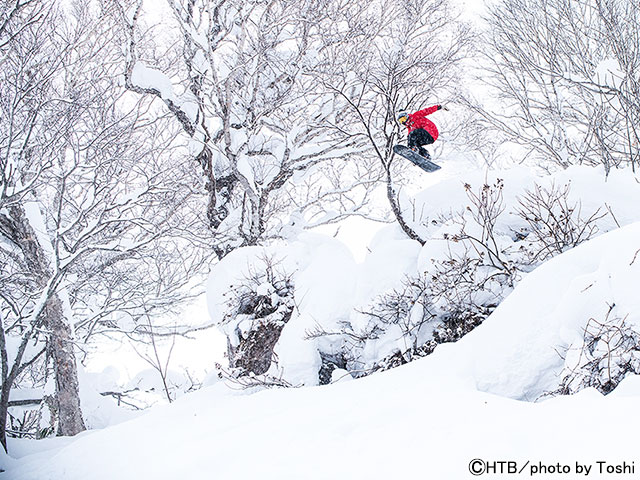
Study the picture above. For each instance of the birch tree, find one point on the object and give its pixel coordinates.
(244, 93)
(93, 204)
(565, 74)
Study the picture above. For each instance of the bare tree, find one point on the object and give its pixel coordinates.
(159, 364)
(243, 94)
(31, 126)
(400, 56)
(91, 218)
(565, 74)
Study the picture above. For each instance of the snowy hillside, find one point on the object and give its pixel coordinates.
(222, 255)
(320, 311)
(428, 419)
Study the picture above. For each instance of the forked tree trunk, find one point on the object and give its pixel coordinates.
(18, 228)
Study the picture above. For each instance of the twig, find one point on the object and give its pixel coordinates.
(611, 212)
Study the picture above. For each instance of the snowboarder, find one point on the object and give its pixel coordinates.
(421, 130)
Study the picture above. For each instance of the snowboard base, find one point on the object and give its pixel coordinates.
(416, 158)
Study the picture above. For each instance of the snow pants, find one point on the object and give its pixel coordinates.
(418, 138)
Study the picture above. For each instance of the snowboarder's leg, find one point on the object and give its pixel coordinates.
(424, 153)
(412, 140)
(417, 139)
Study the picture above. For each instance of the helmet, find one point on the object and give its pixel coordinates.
(402, 117)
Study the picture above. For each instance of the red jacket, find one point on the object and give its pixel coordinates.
(419, 120)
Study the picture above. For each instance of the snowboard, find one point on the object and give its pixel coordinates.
(415, 158)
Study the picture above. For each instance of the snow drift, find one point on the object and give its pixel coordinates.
(335, 303)
(429, 418)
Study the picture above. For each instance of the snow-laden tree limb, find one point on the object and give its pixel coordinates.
(257, 116)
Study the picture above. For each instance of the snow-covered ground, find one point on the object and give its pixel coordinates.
(554, 292)
(427, 419)
(333, 289)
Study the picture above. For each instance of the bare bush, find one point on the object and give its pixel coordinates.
(441, 306)
(410, 307)
(239, 379)
(555, 224)
(610, 351)
(468, 292)
(486, 206)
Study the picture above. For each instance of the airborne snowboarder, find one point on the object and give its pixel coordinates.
(421, 130)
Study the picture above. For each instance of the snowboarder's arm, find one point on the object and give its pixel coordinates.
(426, 111)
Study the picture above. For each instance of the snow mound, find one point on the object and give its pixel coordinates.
(382, 426)
(518, 351)
(336, 298)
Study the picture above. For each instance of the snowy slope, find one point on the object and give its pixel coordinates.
(517, 351)
(428, 419)
(333, 290)
(388, 426)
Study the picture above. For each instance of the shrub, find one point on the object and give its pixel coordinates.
(554, 223)
(610, 351)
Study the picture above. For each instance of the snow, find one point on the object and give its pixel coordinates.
(147, 77)
(547, 313)
(481, 397)
(491, 395)
(100, 411)
(629, 387)
(412, 421)
(324, 308)
(36, 221)
(245, 169)
(356, 233)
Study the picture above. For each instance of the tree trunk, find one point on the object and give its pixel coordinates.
(4, 412)
(60, 346)
(395, 207)
(52, 317)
